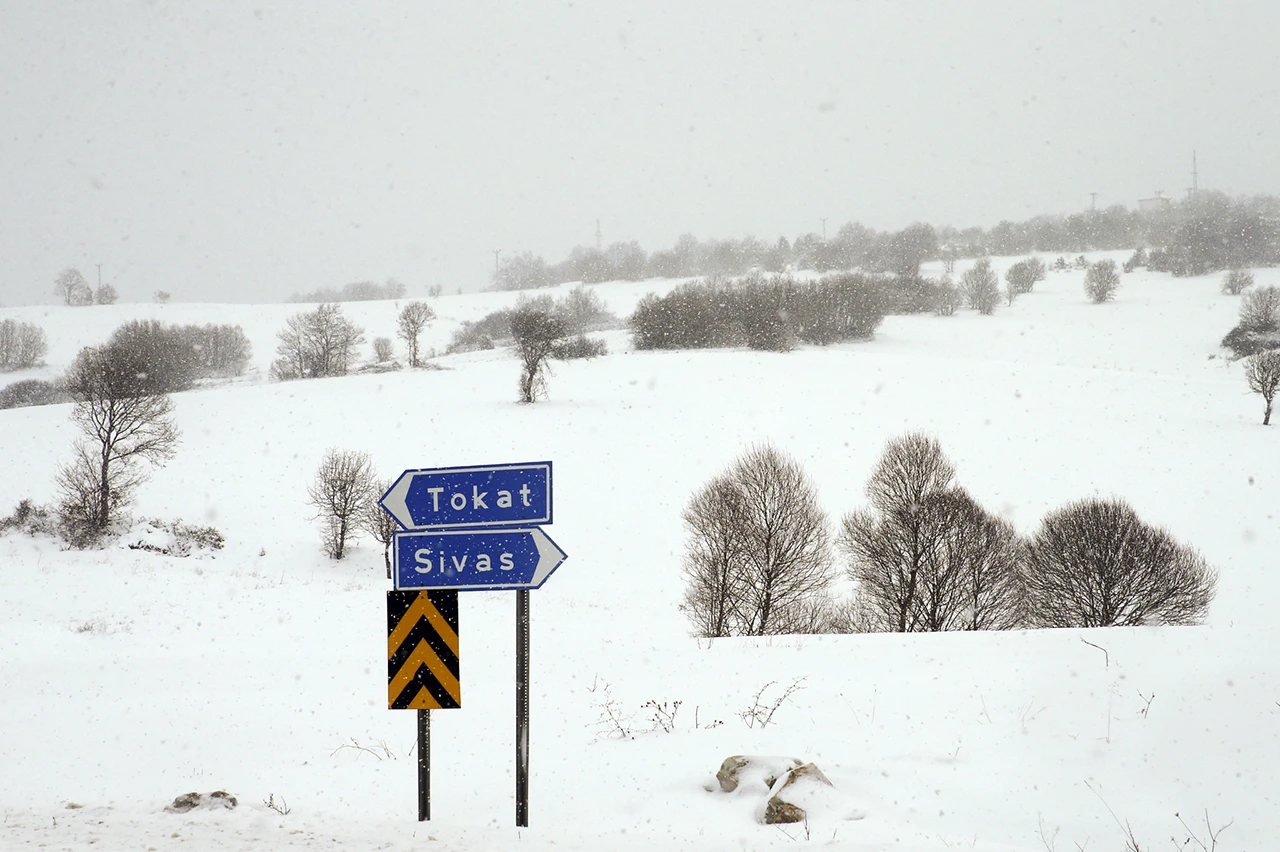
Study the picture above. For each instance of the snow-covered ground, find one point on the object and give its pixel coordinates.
(131, 677)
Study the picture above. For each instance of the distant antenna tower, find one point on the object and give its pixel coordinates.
(598, 235)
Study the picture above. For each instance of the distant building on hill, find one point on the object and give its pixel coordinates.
(1155, 204)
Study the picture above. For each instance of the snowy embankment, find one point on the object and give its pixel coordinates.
(131, 677)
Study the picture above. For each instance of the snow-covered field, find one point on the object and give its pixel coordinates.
(131, 678)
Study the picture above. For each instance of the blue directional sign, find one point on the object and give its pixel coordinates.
(475, 560)
(456, 497)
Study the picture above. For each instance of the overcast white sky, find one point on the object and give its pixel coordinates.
(235, 152)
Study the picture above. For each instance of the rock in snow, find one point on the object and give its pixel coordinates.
(216, 801)
(754, 769)
(790, 791)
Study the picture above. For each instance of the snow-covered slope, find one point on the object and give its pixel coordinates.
(131, 677)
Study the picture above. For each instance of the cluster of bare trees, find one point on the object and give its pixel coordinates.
(71, 287)
(315, 344)
(924, 555)
(344, 493)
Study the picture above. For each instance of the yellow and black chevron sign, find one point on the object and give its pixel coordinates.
(422, 650)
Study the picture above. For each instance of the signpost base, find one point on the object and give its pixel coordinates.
(522, 708)
(424, 765)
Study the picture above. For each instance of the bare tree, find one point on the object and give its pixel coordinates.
(1101, 281)
(22, 345)
(981, 287)
(105, 295)
(382, 350)
(758, 556)
(1094, 563)
(1236, 281)
(1262, 370)
(316, 344)
(72, 288)
(536, 333)
(714, 564)
(414, 317)
(786, 545)
(1260, 308)
(121, 427)
(378, 522)
(891, 546)
(341, 492)
(973, 580)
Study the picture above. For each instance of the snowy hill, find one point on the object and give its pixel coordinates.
(131, 677)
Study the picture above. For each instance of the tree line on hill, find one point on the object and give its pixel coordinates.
(1209, 232)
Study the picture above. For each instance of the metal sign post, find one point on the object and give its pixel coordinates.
(522, 708)
(424, 765)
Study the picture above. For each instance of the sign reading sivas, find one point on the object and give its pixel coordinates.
(488, 496)
(475, 559)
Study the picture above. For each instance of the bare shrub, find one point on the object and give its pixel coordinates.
(1094, 563)
(1260, 309)
(221, 351)
(583, 310)
(1236, 281)
(949, 297)
(1022, 276)
(122, 425)
(536, 333)
(22, 345)
(382, 350)
(340, 492)
(316, 344)
(1101, 281)
(764, 314)
(31, 519)
(378, 523)
(105, 295)
(1262, 371)
(412, 320)
(838, 308)
(33, 392)
(759, 554)
(580, 346)
(161, 358)
(981, 287)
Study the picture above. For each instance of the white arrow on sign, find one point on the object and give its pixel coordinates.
(394, 502)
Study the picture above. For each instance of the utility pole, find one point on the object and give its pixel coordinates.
(496, 252)
(599, 236)
(1195, 176)
(99, 276)
(824, 229)
(1093, 202)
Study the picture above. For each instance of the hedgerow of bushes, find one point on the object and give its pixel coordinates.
(771, 314)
